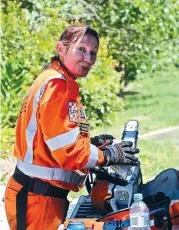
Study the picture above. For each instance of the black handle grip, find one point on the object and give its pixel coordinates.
(102, 175)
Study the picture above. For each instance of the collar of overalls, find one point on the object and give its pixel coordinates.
(72, 84)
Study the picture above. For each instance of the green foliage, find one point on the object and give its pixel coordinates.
(11, 91)
(25, 50)
(138, 30)
(99, 90)
(7, 142)
(14, 65)
(156, 156)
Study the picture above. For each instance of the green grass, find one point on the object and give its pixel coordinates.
(153, 100)
(157, 155)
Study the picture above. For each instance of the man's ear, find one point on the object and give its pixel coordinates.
(61, 50)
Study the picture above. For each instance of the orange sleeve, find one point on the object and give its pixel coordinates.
(70, 147)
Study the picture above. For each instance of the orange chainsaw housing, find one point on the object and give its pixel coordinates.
(98, 198)
(97, 224)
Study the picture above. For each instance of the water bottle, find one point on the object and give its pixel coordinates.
(139, 214)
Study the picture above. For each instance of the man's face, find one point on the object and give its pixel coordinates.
(81, 56)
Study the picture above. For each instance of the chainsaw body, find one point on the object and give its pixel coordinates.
(111, 191)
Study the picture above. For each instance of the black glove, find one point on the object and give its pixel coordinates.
(102, 140)
(121, 153)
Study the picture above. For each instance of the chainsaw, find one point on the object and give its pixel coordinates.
(111, 191)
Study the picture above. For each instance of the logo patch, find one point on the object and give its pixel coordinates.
(73, 111)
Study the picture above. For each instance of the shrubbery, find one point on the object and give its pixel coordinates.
(138, 30)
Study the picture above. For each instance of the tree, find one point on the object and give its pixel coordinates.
(138, 31)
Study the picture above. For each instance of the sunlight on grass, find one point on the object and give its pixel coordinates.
(155, 156)
(155, 104)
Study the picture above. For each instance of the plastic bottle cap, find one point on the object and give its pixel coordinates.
(138, 196)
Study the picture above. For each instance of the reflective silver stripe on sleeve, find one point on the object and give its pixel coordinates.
(32, 126)
(63, 139)
(93, 157)
(72, 177)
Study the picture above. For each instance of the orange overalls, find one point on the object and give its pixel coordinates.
(53, 144)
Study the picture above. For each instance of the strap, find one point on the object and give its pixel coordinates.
(37, 187)
(21, 206)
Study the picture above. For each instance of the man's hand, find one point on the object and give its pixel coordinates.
(102, 140)
(121, 153)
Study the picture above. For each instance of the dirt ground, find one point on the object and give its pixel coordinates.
(7, 169)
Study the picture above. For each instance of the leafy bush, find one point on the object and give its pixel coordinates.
(7, 142)
(138, 30)
(12, 91)
(14, 65)
(25, 50)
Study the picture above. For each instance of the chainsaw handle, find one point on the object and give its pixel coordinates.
(102, 175)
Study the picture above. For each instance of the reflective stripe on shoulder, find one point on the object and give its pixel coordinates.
(93, 157)
(72, 177)
(62, 140)
(32, 126)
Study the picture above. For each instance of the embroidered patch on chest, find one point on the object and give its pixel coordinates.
(73, 111)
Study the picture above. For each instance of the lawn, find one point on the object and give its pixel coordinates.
(153, 100)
